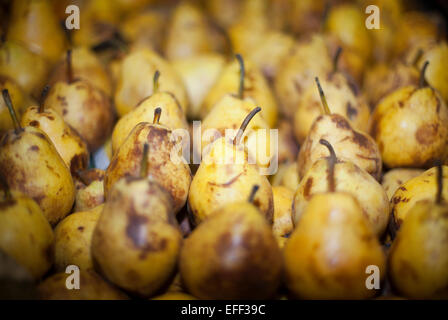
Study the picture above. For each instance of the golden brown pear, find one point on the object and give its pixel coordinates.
(282, 222)
(34, 25)
(72, 239)
(394, 178)
(224, 12)
(89, 189)
(410, 126)
(166, 165)
(136, 241)
(232, 255)
(305, 16)
(31, 164)
(25, 233)
(350, 178)
(135, 80)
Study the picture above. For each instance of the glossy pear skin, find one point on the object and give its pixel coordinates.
(232, 255)
(25, 234)
(328, 252)
(31, 164)
(72, 149)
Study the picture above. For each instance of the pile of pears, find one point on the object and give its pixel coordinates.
(319, 170)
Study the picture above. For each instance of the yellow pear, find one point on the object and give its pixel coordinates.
(394, 178)
(224, 12)
(89, 189)
(350, 178)
(135, 81)
(305, 16)
(410, 126)
(351, 145)
(31, 164)
(287, 175)
(282, 222)
(172, 115)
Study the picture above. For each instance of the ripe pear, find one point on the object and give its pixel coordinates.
(135, 81)
(187, 33)
(89, 189)
(165, 164)
(246, 80)
(199, 73)
(394, 178)
(224, 176)
(48, 39)
(344, 98)
(287, 175)
(305, 16)
(92, 287)
(73, 237)
(85, 66)
(172, 115)
(31, 164)
(84, 107)
(350, 178)
(422, 187)
(224, 12)
(351, 145)
(410, 126)
(232, 255)
(25, 233)
(282, 222)
(328, 252)
(28, 69)
(136, 241)
(71, 148)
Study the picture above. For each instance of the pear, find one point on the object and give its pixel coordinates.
(85, 66)
(172, 115)
(187, 33)
(25, 234)
(84, 107)
(31, 164)
(92, 287)
(28, 69)
(342, 94)
(422, 187)
(282, 222)
(224, 12)
(310, 58)
(232, 255)
(410, 126)
(305, 16)
(351, 145)
(48, 39)
(166, 166)
(288, 148)
(246, 79)
(224, 176)
(16, 282)
(394, 178)
(418, 259)
(72, 149)
(287, 176)
(73, 237)
(350, 178)
(199, 73)
(174, 296)
(89, 189)
(135, 80)
(136, 241)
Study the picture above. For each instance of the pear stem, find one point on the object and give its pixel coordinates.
(243, 127)
(43, 95)
(439, 182)
(12, 112)
(69, 66)
(417, 57)
(157, 114)
(253, 192)
(242, 75)
(331, 163)
(336, 59)
(422, 82)
(144, 164)
(322, 97)
(155, 82)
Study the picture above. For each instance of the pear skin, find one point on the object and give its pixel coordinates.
(394, 178)
(282, 222)
(89, 189)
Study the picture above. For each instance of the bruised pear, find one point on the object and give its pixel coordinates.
(410, 126)
(172, 115)
(31, 164)
(73, 237)
(232, 255)
(350, 178)
(418, 259)
(350, 145)
(89, 189)
(166, 165)
(394, 178)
